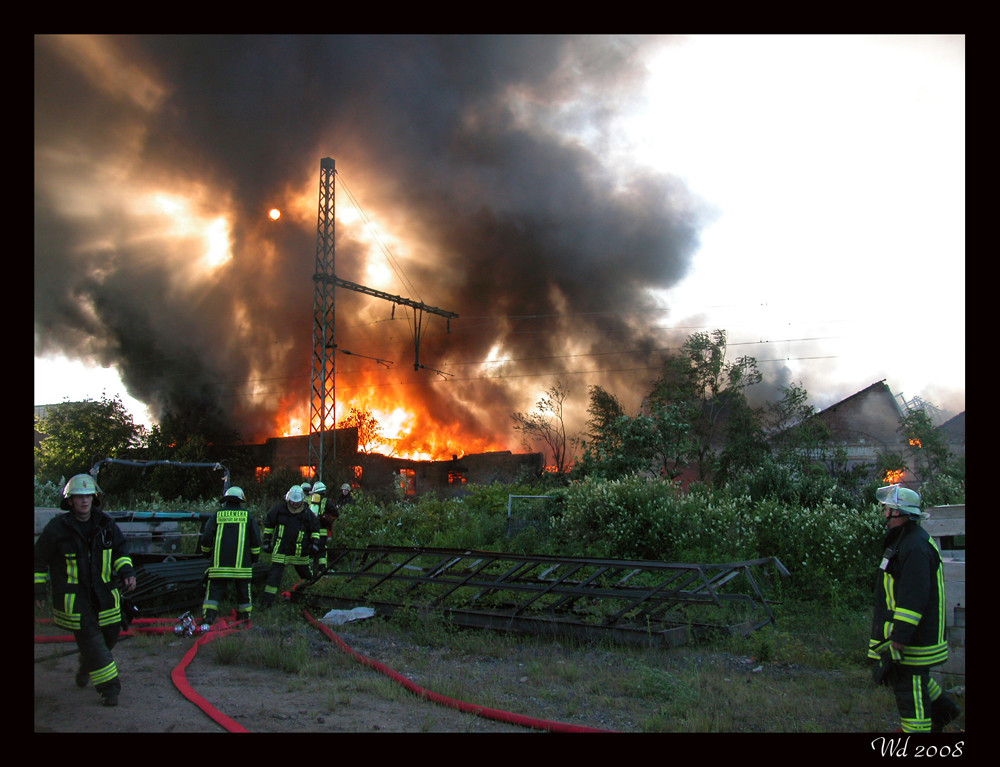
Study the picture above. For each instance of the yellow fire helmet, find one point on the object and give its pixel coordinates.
(902, 498)
(81, 484)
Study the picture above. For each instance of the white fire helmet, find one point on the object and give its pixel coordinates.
(295, 494)
(319, 487)
(902, 498)
(345, 487)
(306, 487)
(81, 484)
(235, 492)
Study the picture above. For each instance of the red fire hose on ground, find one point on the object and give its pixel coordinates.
(180, 679)
(225, 627)
(469, 708)
(177, 676)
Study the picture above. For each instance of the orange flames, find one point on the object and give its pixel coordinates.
(894, 476)
(404, 430)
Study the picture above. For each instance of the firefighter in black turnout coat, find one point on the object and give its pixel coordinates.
(232, 539)
(292, 535)
(82, 553)
(908, 625)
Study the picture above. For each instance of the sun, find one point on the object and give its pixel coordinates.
(274, 214)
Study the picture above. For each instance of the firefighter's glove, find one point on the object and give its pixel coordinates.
(886, 671)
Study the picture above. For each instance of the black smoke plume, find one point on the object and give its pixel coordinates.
(487, 158)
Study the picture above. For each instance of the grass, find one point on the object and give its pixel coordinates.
(781, 678)
(805, 673)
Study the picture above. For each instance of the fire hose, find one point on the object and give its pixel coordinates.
(469, 708)
(225, 627)
(177, 676)
(181, 683)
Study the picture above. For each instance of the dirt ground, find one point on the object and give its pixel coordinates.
(354, 698)
(259, 700)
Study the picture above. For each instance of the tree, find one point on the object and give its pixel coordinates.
(626, 448)
(942, 474)
(928, 446)
(605, 408)
(675, 446)
(705, 389)
(200, 434)
(201, 422)
(78, 434)
(746, 444)
(797, 440)
(547, 424)
(621, 444)
(369, 429)
(946, 487)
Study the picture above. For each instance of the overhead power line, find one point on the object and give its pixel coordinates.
(393, 263)
(537, 359)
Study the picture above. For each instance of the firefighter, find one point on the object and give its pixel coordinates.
(291, 534)
(345, 499)
(908, 626)
(317, 499)
(232, 539)
(80, 553)
(319, 505)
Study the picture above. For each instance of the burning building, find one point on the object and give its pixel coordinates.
(865, 424)
(869, 423)
(378, 473)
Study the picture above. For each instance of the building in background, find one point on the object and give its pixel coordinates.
(864, 425)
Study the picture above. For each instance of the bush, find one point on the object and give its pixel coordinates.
(476, 520)
(829, 549)
(637, 518)
(48, 494)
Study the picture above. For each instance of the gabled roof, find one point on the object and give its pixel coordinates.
(954, 428)
(857, 395)
(870, 416)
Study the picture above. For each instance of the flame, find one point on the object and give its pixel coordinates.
(894, 476)
(405, 429)
(916, 442)
(294, 428)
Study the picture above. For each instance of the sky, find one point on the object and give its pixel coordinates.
(583, 203)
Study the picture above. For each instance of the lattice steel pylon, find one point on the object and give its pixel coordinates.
(322, 405)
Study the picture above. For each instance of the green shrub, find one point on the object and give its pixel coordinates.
(829, 549)
(476, 520)
(48, 494)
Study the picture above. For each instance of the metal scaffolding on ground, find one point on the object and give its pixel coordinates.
(628, 601)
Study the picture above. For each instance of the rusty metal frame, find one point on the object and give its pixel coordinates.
(629, 600)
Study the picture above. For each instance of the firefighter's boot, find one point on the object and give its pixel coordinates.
(943, 711)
